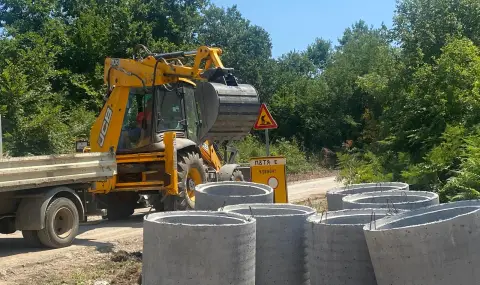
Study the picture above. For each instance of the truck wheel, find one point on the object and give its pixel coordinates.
(121, 205)
(31, 237)
(191, 172)
(119, 213)
(61, 224)
(237, 175)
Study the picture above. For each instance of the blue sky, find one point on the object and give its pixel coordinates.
(293, 25)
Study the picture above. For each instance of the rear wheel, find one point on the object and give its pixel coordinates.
(121, 205)
(61, 224)
(31, 238)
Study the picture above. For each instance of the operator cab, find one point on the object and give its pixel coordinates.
(147, 118)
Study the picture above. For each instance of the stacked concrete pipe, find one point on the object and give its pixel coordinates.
(335, 195)
(337, 252)
(213, 195)
(198, 247)
(437, 245)
(394, 199)
(280, 253)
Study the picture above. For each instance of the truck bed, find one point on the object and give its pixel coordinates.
(21, 173)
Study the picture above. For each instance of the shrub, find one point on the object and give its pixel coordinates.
(296, 159)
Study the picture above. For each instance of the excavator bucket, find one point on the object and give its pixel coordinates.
(228, 113)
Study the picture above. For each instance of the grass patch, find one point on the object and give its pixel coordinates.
(297, 161)
(119, 268)
(317, 202)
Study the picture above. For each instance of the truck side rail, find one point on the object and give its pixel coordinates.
(19, 173)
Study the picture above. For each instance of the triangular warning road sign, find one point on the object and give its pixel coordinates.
(265, 119)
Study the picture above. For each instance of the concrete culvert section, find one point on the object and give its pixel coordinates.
(337, 252)
(335, 195)
(198, 247)
(211, 196)
(280, 253)
(394, 199)
(437, 245)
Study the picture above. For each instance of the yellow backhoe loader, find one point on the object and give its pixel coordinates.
(164, 120)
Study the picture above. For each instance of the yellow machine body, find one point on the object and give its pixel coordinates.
(162, 118)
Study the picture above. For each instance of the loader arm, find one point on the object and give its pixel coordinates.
(160, 69)
(210, 156)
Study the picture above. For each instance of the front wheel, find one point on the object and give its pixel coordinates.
(191, 172)
(61, 224)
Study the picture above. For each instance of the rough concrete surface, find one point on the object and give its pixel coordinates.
(211, 196)
(437, 245)
(394, 199)
(280, 253)
(198, 247)
(337, 252)
(335, 195)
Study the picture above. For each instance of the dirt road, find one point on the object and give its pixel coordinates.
(100, 236)
(305, 189)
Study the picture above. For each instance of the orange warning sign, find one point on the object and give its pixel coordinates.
(265, 119)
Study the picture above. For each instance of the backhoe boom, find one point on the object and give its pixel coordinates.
(134, 73)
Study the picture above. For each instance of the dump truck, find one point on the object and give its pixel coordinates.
(155, 139)
(46, 197)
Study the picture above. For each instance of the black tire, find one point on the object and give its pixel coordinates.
(61, 224)
(121, 212)
(186, 163)
(237, 175)
(31, 238)
(121, 205)
(158, 205)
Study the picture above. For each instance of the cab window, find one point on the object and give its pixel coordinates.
(136, 128)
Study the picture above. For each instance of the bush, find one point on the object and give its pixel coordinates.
(357, 167)
(465, 184)
(296, 159)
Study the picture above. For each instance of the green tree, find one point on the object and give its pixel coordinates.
(247, 47)
(422, 27)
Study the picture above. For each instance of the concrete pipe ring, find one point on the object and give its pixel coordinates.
(214, 195)
(393, 200)
(198, 247)
(436, 245)
(337, 253)
(280, 253)
(335, 195)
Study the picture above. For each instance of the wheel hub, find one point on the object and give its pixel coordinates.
(63, 222)
(190, 184)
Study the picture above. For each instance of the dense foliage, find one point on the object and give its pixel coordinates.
(424, 128)
(52, 54)
(406, 99)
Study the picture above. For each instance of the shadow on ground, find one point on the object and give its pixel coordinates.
(14, 244)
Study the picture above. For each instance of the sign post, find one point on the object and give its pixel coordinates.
(265, 122)
(271, 170)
